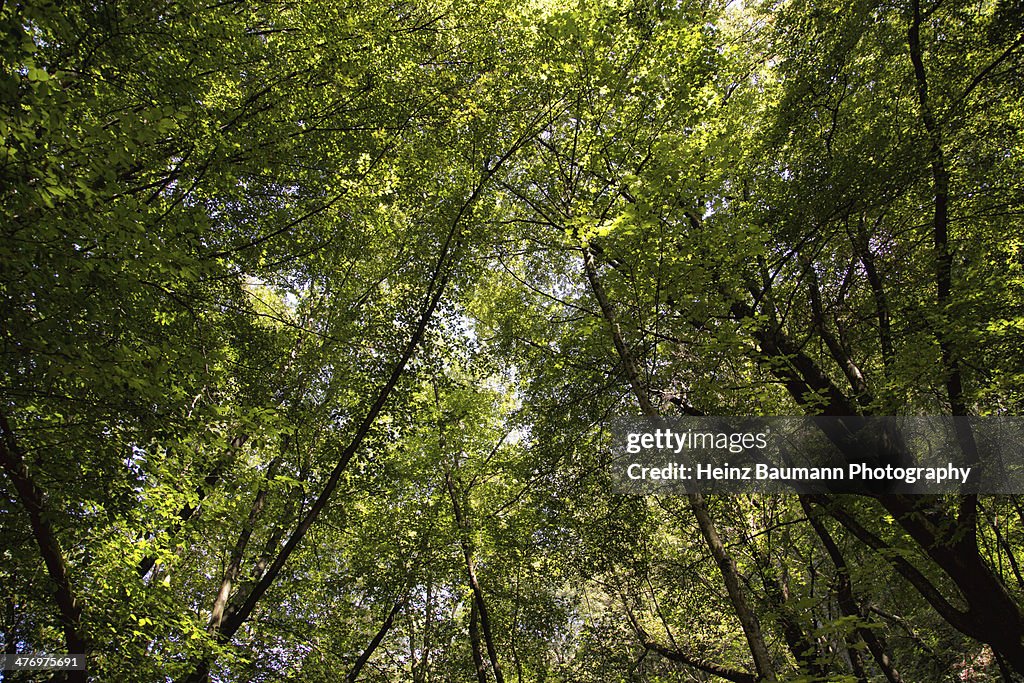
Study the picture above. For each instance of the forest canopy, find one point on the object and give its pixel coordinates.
(314, 317)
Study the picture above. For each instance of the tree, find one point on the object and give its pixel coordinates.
(315, 317)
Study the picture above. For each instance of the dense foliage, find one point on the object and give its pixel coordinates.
(314, 315)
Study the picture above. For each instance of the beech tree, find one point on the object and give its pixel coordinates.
(315, 318)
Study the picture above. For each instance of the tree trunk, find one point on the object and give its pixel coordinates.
(235, 563)
(730, 574)
(364, 657)
(33, 500)
(465, 541)
(474, 642)
(844, 596)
